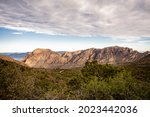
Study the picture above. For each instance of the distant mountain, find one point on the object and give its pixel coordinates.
(16, 56)
(46, 58)
(61, 52)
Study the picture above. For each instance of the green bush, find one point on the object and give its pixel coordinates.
(93, 81)
(98, 70)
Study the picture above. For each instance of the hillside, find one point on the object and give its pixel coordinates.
(93, 81)
(143, 61)
(7, 58)
(45, 58)
(20, 82)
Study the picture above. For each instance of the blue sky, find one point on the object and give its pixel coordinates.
(73, 25)
(22, 41)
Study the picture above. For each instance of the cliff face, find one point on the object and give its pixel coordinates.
(45, 58)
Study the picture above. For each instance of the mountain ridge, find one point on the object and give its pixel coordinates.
(46, 58)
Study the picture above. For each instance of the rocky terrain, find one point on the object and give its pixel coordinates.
(143, 61)
(46, 58)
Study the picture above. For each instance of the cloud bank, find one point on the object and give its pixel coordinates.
(116, 18)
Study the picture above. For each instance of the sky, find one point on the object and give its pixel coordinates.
(69, 25)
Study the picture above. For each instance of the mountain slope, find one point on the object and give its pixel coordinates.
(45, 58)
(7, 58)
(42, 58)
(143, 61)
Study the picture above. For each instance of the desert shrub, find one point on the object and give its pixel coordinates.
(109, 82)
(98, 70)
(19, 82)
(96, 90)
(93, 81)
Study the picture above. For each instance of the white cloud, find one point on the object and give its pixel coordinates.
(123, 18)
(127, 39)
(17, 33)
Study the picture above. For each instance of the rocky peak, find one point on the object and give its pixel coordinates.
(39, 50)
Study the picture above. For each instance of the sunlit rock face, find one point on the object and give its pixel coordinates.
(46, 58)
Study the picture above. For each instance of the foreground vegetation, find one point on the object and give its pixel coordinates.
(93, 81)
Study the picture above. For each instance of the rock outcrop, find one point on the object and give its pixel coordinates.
(45, 58)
